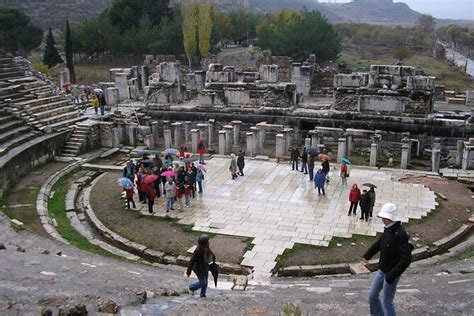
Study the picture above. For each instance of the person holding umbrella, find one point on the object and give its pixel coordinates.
(199, 264)
(95, 104)
(344, 173)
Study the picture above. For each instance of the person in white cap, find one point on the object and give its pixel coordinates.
(395, 257)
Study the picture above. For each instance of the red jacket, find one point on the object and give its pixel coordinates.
(150, 191)
(201, 148)
(343, 170)
(354, 195)
(129, 193)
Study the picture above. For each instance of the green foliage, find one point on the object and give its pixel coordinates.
(314, 35)
(291, 309)
(69, 52)
(39, 66)
(402, 53)
(427, 23)
(190, 25)
(461, 38)
(204, 28)
(51, 55)
(17, 34)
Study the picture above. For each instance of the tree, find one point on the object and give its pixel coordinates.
(427, 23)
(51, 55)
(69, 52)
(17, 34)
(189, 30)
(402, 53)
(126, 14)
(204, 28)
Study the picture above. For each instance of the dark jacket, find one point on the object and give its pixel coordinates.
(295, 154)
(241, 161)
(304, 156)
(320, 179)
(311, 162)
(198, 263)
(364, 202)
(372, 197)
(395, 252)
(325, 166)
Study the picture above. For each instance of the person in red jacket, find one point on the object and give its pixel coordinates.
(149, 189)
(182, 152)
(129, 195)
(354, 197)
(201, 151)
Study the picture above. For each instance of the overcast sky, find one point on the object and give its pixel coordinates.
(443, 9)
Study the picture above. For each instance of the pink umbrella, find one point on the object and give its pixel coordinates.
(202, 167)
(168, 174)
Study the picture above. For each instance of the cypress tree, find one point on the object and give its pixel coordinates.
(51, 55)
(68, 50)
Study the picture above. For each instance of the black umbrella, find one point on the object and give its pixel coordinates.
(214, 269)
(191, 159)
(370, 185)
(312, 151)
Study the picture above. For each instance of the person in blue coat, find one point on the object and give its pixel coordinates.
(320, 181)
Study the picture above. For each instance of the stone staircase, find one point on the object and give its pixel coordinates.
(76, 141)
(13, 132)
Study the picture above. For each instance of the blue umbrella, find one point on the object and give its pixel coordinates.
(172, 151)
(346, 161)
(125, 183)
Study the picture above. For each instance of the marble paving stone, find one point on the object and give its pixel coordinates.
(279, 208)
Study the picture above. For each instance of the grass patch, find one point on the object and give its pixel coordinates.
(56, 206)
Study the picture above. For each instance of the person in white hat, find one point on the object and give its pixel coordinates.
(395, 257)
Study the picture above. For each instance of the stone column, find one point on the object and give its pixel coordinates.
(228, 138)
(405, 154)
(468, 155)
(149, 141)
(437, 143)
(261, 137)
(132, 135)
(250, 144)
(407, 141)
(307, 142)
(341, 148)
(288, 132)
(435, 159)
(256, 148)
(373, 155)
(350, 144)
(166, 125)
(117, 137)
(459, 153)
(222, 142)
(177, 134)
(210, 133)
(194, 140)
(167, 135)
(187, 128)
(280, 145)
(236, 125)
(155, 132)
(316, 140)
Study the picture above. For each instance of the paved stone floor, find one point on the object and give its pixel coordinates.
(279, 207)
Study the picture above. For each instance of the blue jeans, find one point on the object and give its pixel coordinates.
(102, 110)
(388, 293)
(202, 283)
(294, 165)
(310, 171)
(169, 203)
(304, 167)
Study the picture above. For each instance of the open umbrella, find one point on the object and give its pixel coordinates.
(201, 167)
(168, 173)
(214, 269)
(98, 90)
(191, 159)
(125, 183)
(150, 178)
(324, 156)
(346, 161)
(147, 161)
(172, 151)
(312, 151)
(370, 185)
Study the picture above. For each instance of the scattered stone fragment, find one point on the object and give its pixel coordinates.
(353, 243)
(358, 268)
(55, 223)
(339, 245)
(108, 306)
(174, 293)
(141, 295)
(150, 294)
(47, 312)
(442, 196)
(415, 238)
(78, 310)
(20, 249)
(240, 283)
(16, 224)
(59, 253)
(47, 273)
(45, 252)
(2, 246)
(5, 306)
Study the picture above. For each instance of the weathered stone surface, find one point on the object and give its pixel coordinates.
(16, 224)
(108, 306)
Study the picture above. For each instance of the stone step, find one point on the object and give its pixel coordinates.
(68, 155)
(11, 74)
(59, 118)
(72, 152)
(76, 139)
(5, 147)
(40, 101)
(64, 123)
(48, 106)
(11, 124)
(11, 134)
(54, 111)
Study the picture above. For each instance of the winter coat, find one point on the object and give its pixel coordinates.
(241, 161)
(170, 189)
(199, 176)
(95, 103)
(295, 154)
(354, 195)
(201, 148)
(190, 177)
(304, 156)
(198, 263)
(395, 251)
(364, 202)
(233, 166)
(311, 162)
(150, 190)
(344, 170)
(129, 172)
(372, 197)
(319, 179)
(102, 101)
(325, 166)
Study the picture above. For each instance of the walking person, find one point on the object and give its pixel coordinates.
(241, 163)
(354, 197)
(180, 193)
(304, 161)
(364, 205)
(129, 195)
(187, 194)
(320, 181)
(372, 200)
(199, 178)
(326, 168)
(102, 103)
(201, 151)
(310, 167)
(233, 167)
(344, 174)
(151, 196)
(170, 189)
(295, 156)
(95, 104)
(199, 264)
(129, 170)
(395, 258)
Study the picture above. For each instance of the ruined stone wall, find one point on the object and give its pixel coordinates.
(346, 102)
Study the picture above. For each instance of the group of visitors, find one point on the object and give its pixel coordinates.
(152, 181)
(308, 159)
(98, 101)
(366, 201)
(237, 163)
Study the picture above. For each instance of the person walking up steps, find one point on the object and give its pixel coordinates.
(354, 197)
(199, 264)
(395, 258)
